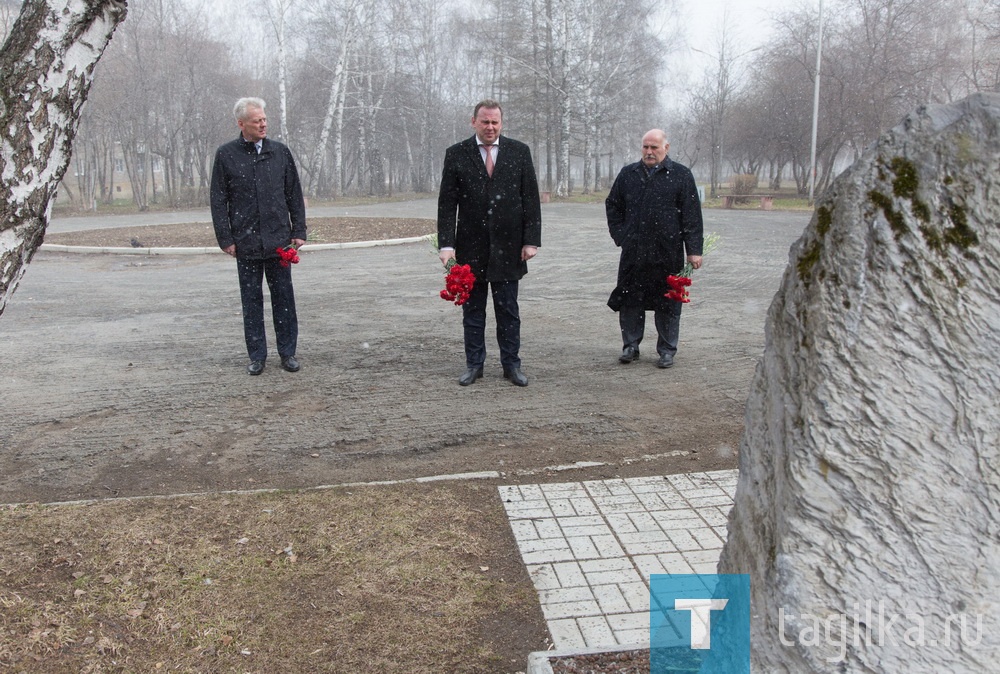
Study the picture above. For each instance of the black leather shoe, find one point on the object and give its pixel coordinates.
(629, 353)
(255, 367)
(516, 377)
(470, 376)
(289, 363)
(666, 360)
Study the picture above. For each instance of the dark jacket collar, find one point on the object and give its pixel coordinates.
(664, 165)
(250, 147)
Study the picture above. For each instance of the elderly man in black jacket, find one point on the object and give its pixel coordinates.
(257, 209)
(654, 216)
(490, 181)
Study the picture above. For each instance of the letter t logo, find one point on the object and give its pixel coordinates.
(701, 618)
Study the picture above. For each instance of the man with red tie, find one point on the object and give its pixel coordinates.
(490, 218)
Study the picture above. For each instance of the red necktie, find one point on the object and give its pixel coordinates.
(489, 160)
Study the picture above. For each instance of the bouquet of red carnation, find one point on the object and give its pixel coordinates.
(458, 284)
(288, 256)
(679, 284)
(678, 288)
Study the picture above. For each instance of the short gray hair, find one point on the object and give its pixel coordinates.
(240, 109)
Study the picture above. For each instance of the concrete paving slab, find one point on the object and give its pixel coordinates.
(592, 571)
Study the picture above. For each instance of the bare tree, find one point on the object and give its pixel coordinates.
(981, 35)
(420, 86)
(382, 86)
(572, 69)
(8, 13)
(279, 11)
(881, 58)
(341, 19)
(712, 101)
(46, 69)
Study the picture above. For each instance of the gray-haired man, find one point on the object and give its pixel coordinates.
(257, 209)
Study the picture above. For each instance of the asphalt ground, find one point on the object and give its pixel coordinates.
(124, 375)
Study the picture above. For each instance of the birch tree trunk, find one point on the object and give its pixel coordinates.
(46, 69)
(562, 76)
(339, 178)
(279, 21)
(565, 129)
(589, 75)
(333, 109)
(335, 102)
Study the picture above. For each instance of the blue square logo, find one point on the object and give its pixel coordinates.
(699, 624)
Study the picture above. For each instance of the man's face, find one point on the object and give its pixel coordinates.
(654, 149)
(487, 124)
(253, 126)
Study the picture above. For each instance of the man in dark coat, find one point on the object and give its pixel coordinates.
(654, 216)
(258, 208)
(489, 181)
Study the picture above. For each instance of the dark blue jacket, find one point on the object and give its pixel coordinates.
(256, 198)
(656, 220)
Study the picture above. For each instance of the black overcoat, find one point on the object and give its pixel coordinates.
(656, 220)
(496, 216)
(256, 199)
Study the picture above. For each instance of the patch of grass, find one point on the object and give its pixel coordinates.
(388, 579)
(128, 207)
(595, 197)
(781, 203)
(201, 234)
(789, 202)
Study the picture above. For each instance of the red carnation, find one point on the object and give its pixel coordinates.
(288, 256)
(458, 284)
(678, 288)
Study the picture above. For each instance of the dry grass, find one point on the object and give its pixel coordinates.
(373, 579)
(201, 234)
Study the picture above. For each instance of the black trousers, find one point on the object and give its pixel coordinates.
(668, 327)
(508, 324)
(279, 283)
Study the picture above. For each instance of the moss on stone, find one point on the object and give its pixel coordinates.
(960, 234)
(808, 260)
(905, 182)
(933, 239)
(824, 220)
(895, 219)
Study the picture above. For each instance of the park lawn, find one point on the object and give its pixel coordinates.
(412, 578)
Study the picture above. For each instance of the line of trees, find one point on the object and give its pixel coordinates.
(880, 60)
(369, 93)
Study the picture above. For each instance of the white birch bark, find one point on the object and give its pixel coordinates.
(561, 23)
(279, 21)
(46, 69)
(589, 71)
(339, 179)
(335, 101)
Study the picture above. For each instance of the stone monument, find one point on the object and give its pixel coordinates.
(868, 505)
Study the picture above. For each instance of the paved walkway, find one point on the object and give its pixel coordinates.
(590, 547)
